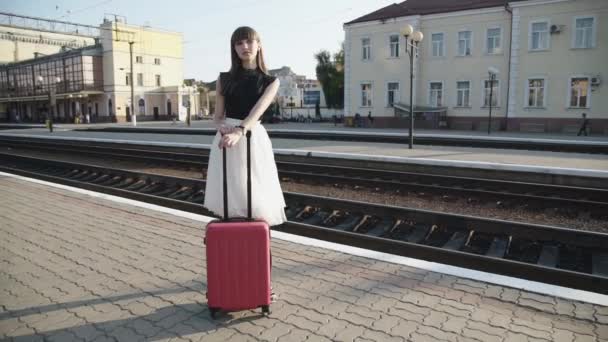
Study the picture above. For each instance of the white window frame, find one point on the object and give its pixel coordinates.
(495, 94)
(588, 106)
(471, 39)
(443, 93)
(538, 21)
(468, 105)
(500, 40)
(139, 59)
(156, 60)
(593, 32)
(140, 84)
(158, 80)
(527, 93)
(390, 45)
(370, 97)
(369, 49)
(443, 50)
(397, 96)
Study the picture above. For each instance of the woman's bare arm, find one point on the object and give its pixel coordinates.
(262, 104)
(218, 115)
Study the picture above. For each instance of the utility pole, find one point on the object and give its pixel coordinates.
(133, 112)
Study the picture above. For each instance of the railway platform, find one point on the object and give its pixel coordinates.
(82, 266)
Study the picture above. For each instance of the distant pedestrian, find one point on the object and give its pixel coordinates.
(371, 119)
(583, 129)
(357, 120)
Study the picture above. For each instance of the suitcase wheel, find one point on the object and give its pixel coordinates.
(266, 310)
(213, 312)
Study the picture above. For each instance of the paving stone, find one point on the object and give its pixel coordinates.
(438, 334)
(221, 334)
(380, 336)
(350, 333)
(275, 332)
(386, 323)
(560, 335)
(294, 335)
(142, 277)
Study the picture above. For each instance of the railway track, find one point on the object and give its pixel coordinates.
(565, 257)
(506, 193)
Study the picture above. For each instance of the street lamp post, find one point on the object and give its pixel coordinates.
(133, 111)
(52, 100)
(492, 76)
(132, 80)
(188, 110)
(412, 39)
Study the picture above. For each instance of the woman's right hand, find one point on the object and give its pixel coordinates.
(225, 129)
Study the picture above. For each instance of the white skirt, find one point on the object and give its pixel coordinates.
(267, 202)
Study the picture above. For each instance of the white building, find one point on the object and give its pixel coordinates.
(550, 55)
(296, 90)
(89, 71)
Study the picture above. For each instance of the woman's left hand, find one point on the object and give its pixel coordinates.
(230, 139)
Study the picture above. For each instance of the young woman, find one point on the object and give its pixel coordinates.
(243, 95)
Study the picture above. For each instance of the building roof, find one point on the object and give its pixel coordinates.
(285, 70)
(424, 7)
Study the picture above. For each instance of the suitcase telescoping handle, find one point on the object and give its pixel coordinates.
(248, 179)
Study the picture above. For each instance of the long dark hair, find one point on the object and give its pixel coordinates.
(241, 33)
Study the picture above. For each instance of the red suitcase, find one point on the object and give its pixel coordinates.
(238, 257)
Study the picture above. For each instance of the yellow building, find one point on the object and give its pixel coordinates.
(548, 59)
(93, 79)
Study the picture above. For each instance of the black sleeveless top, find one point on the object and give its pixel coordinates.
(243, 91)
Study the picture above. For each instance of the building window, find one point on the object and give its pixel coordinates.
(493, 41)
(139, 59)
(539, 35)
(490, 86)
(436, 94)
(437, 41)
(128, 79)
(142, 107)
(366, 95)
(584, 33)
(463, 91)
(392, 93)
(536, 92)
(579, 92)
(464, 43)
(366, 49)
(140, 79)
(157, 61)
(394, 42)
(157, 77)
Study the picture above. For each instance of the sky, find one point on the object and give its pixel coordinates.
(291, 31)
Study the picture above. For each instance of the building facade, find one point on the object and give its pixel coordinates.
(93, 80)
(550, 56)
(296, 90)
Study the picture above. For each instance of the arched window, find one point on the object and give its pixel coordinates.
(142, 107)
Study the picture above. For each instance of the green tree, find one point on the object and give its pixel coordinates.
(330, 73)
